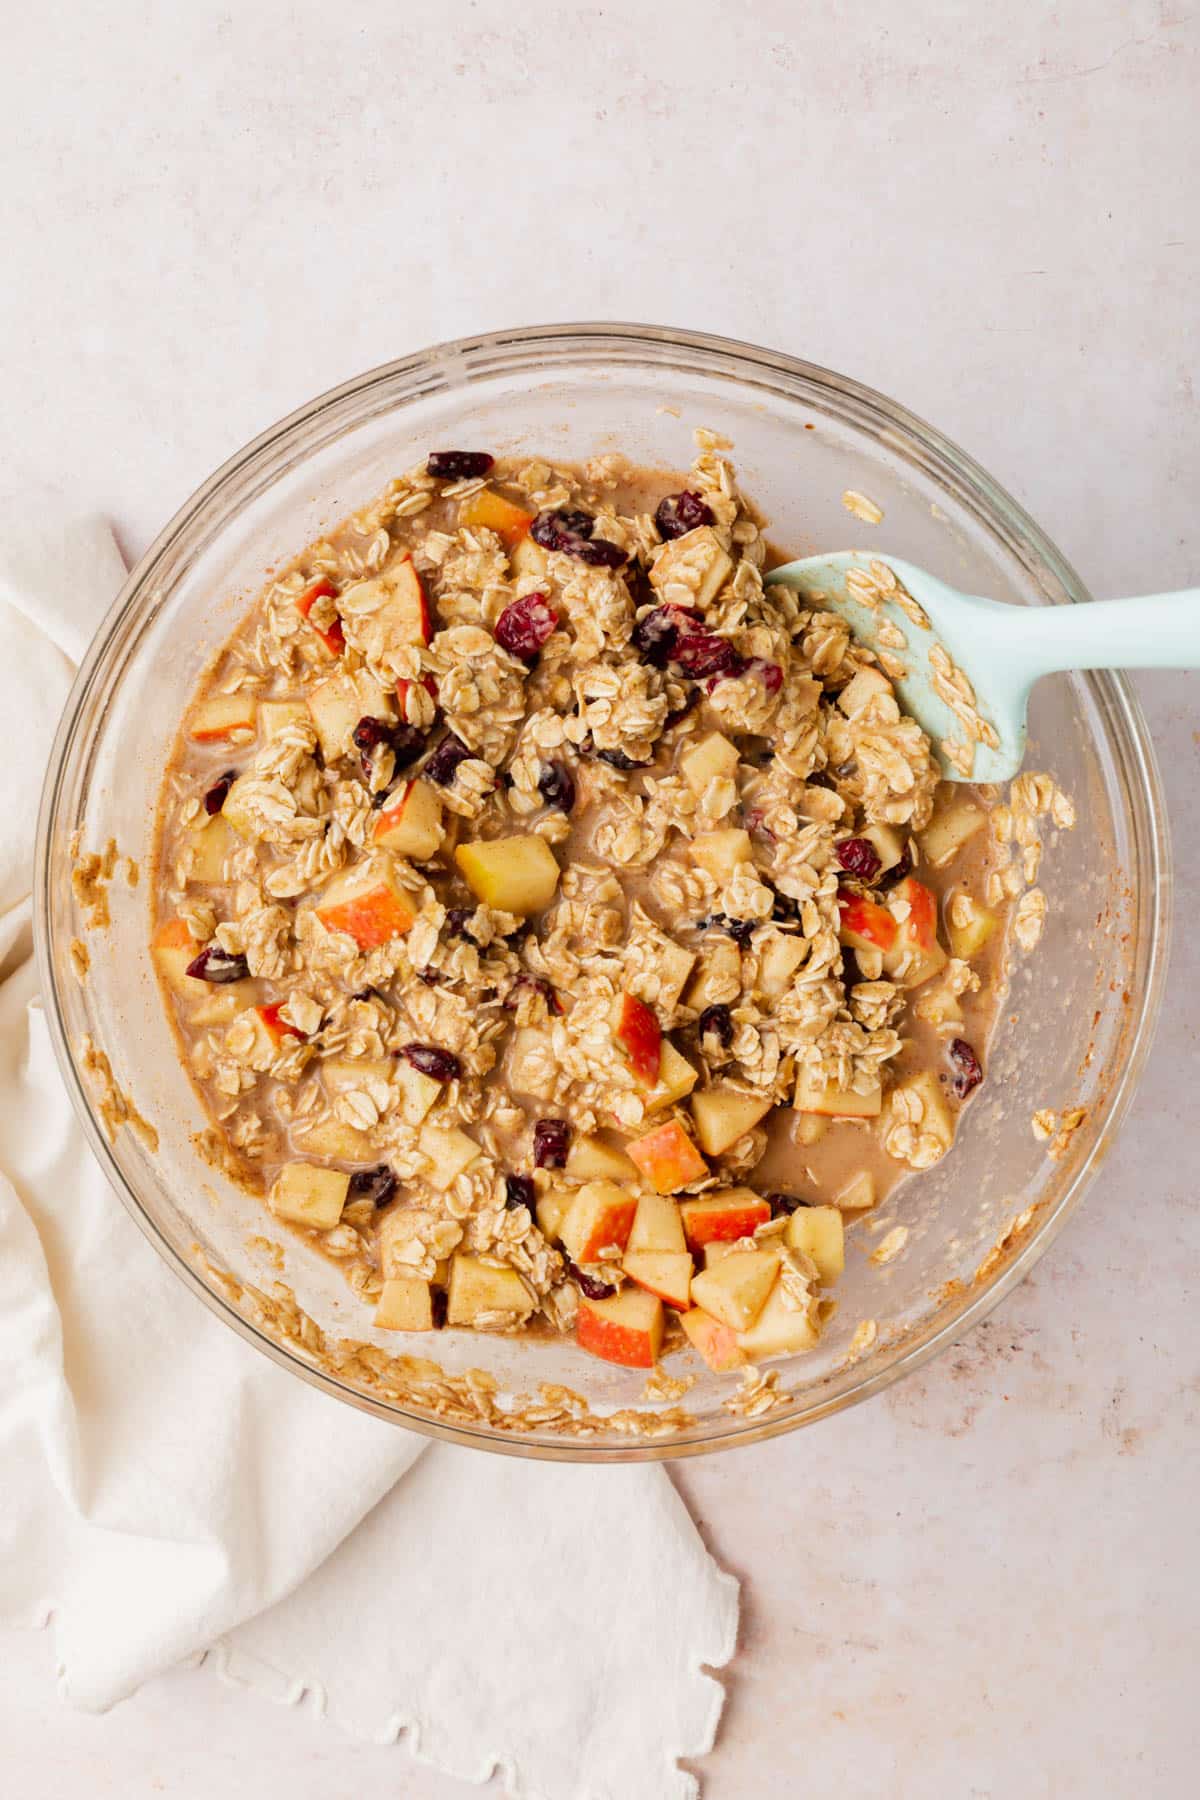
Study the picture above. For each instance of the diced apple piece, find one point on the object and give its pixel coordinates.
(733, 1214)
(639, 1034)
(861, 690)
(450, 1151)
(304, 1194)
(818, 1230)
(859, 1193)
(223, 717)
(736, 1288)
(527, 558)
(278, 1029)
(591, 1159)
(210, 847)
(813, 1095)
(888, 844)
(720, 852)
(600, 1217)
(916, 955)
(951, 827)
(667, 1273)
(341, 1072)
(723, 1114)
(809, 1128)
(223, 1003)
(411, 823)
(490, 511)
(676, 1077)
(667, 1158)
(971, 926)
(418, 1092)
(779, 961)
(329, 636)
(517, 874)
(551, 1210)
(720, 965)
(865, 925)
(234, 811)
(405, 1304)
(933, 1115)
(656, 1225)
(476, 1287)
(173, 949)
(939, 1006)
(331, 1137)
(691, 570)
(368, 902)
(717, 1343)
(626, 1329)
(403, 618)
(275, 716)
(715, 1252)
(338, 703)
(713, 759)
(778, 1331)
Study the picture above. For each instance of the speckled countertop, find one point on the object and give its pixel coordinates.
(983, 1582)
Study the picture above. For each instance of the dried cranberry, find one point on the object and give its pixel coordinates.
(456, 922)
(535, 984)
(556, 785)
(769, 673)
(550, 1140)
(617, 759)
(377, 1185)
(458, 465)
(405, 742)
(444, 762)
(858, 856)
(215, 964)
(571, 533)
(214, 800)
(782, 1204)
(969, 1073)
(518, 1191)
(717, 1022)
(656, 633)
(439, 1065)
(523, 627)
(370, 732)
(589, 1286)
(702, 655)
(437, 1307)
(740, 930)
(680, 513)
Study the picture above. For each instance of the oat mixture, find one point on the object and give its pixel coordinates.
(566, 933)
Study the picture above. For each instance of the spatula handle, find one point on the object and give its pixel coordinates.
(1153, 631)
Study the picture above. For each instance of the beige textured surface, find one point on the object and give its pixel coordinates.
(982, 1583)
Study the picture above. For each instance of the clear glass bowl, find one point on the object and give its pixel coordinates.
(1078, 1020)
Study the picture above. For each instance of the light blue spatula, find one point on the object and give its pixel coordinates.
(1001, 649)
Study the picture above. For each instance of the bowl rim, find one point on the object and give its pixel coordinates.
(1124, 727)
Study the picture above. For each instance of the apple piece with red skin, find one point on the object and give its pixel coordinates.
(490, 511)
(223, 717)
(865, 925)
(367, 902)
(410, 824)
(717, 1343)
(723, 1217)
(915, 956)
(600, 1217)
(331, 636)
(734, 1290)
(404, 685)
(277, 1029)
(723, 1114)
(173, 947)
(667, 1158)
(625, 1329)
(667, 1273)
(405, 613)
(656, 1225)
(640, 1036)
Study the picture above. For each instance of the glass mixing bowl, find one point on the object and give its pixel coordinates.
(1078, 1018)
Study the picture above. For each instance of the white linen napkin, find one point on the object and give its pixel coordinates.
(166, 1491)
